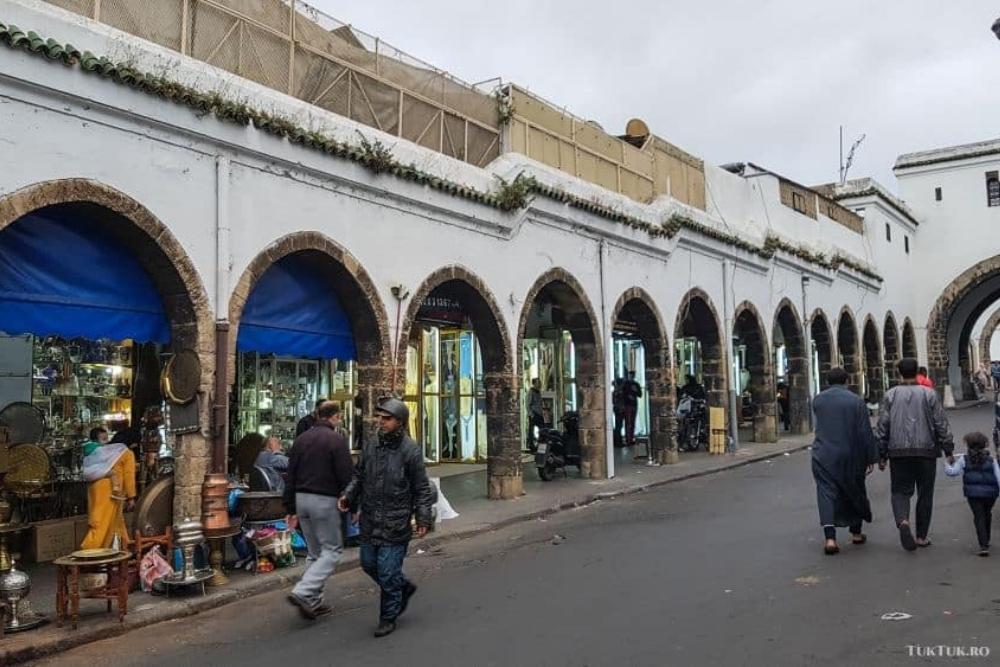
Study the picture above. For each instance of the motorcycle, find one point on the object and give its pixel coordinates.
(558, 449)
(692, 424)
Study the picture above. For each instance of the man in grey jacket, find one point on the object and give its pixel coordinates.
(912, 432)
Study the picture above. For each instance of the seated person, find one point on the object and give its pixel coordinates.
(693, 389)
(272, 462)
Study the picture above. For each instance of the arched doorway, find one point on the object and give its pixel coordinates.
(949, 327)
(752, 372)
(791, 372)
(306, 324)
(101, 293)
(460, 382)
(822, 350)
(847, 350)
(641, 347)
(561, 347)
(698, 350)
(986, 338)
(890, 347)
(909, 340)
(874, 371)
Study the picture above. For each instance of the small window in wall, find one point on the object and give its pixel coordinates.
(906, 244)
(937, 194)
(888, 233)
(992, 189)
(799, 202)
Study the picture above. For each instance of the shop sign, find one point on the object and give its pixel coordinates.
(442, 310)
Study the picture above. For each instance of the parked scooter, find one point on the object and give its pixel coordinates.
(692, 424)
(558, 449)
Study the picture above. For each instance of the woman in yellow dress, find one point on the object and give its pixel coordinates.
(110, 471)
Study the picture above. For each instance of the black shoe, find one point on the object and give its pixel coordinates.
(407, 594)
(984, 551)
(906, 537)
(385, 628)
(307, 610)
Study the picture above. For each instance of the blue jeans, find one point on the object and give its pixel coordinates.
(384, 564)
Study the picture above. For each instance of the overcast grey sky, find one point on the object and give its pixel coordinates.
(767, 81)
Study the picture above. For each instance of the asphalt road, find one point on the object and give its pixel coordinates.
(720, 570)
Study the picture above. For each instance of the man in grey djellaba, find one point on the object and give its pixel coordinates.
(843, 454)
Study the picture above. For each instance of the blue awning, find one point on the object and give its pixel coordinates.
(64, 276)
(292, 311)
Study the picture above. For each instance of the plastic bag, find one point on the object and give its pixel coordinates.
(153, 566)
(444, 510)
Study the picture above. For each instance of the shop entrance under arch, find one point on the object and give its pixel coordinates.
(791, 372)
(875, 379)
(560, 350)
(848, 352)
(752, 373)
(821, 343)
(891, 351)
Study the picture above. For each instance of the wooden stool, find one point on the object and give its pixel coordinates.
(68, 571)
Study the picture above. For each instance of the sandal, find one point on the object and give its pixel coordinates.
(906, 537)
(860, 538)
(926, 543)
(830, 550)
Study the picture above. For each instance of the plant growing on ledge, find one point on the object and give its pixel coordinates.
(505, 106)
(514, 194)
(375, 155)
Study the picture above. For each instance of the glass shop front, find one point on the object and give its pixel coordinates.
(549, 357)
(444, 383)
(630, 357)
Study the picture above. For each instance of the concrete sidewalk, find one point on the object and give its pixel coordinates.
(465, 492)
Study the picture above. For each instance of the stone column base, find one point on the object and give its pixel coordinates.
(505, 487)
(669, 456)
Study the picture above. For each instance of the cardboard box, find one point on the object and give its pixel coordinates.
(51, 539)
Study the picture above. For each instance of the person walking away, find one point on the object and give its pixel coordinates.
(843, 454)
(923, 379)
(307, 422)
(109, 470)
(271, 461)
(980, 484)
(390, 485)
(618, 407)
(631, 393)
(784, 406)
(536, 415)
(912, 431)
(319, 470)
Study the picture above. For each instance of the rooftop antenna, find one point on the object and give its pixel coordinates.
(846, 165)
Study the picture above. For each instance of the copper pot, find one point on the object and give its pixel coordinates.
(215, 501)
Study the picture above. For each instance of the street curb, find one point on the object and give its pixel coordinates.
(196, 605)
(967, 406)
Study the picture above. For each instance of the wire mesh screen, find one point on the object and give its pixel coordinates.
(334, 66)
(159, 22)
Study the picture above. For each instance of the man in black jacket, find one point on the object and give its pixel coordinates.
(319, 469)
(390, 485)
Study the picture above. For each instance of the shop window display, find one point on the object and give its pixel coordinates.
(630, 356)
(552, 360)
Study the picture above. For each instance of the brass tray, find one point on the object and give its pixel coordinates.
(154, 512)
(28, 464)
(181, 377)
(94, 554)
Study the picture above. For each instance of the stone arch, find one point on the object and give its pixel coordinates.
(848, 349)
(748, 327)
(698, 318)
(909, 340)
(986, 338)
(563, 290)
(949, 326)
(502, 414)
(871, 343)
(890, 349)
(175, 278)
(822, 339)
(360, 299)
(638, 306)
(787, 327)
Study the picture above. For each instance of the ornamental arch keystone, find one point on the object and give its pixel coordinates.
(637, 308)
(560, 288)
(176, 279)
(504, 475)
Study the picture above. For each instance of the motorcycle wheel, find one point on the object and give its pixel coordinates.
(545, 473)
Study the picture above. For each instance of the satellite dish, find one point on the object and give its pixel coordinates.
(636, 129)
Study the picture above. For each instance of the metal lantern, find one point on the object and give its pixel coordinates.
(187, 535)
(14, 587)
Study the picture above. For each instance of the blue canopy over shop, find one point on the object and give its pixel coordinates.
(63, 275)
(292, 311)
